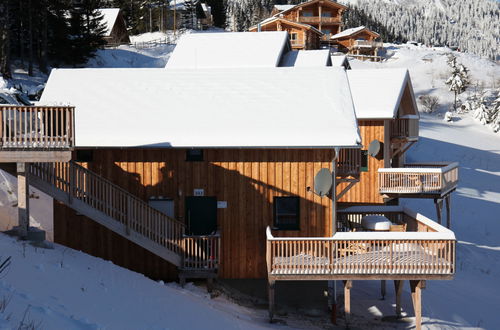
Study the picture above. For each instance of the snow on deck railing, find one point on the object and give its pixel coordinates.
(365, 253)
(432, 178)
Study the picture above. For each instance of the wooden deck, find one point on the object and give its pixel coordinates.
(425, 252)
(418, 179)
(36, 134)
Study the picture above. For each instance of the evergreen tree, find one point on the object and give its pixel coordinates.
(459, 79)
(481, 112)
(5, 28)
(495, 114)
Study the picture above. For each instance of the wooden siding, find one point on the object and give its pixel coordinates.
(247, 179)
(366, 191)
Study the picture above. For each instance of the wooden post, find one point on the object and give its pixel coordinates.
(129, 215)
(398, 289)
(448, 211)
(72, 179)
(439, 208)
(270, 293)
(382, 289)
(347, 300)
(416, 296)
(23, 204)
(320, 12)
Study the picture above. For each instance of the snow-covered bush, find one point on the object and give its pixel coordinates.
(448, 116)
(429, 102)
(481, 112)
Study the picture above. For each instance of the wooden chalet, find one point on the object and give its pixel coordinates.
(226, 188)
(302, 36)
(116, 32)
(324, 15)
(359, 42)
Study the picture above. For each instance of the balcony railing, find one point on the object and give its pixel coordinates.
(317, 19)
(368, 44)
(349, 162)
(201, 253)
(36, 128)
(419, 178)
(427, 251)
(405, 128)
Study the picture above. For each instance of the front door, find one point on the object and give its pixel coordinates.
(201, 215)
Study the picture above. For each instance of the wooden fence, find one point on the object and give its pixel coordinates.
(429, 178)
(27, 127)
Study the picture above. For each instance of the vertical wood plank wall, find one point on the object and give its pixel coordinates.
(366, 190)
(247, 179)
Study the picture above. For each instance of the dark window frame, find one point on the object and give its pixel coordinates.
(364, 161)
(191, 155)
(277, 225)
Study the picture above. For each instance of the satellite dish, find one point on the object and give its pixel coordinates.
(374, 148)
(323, 182)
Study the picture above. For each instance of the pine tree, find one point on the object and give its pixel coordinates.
(459, 79)
(481, 112)
(495, 114)
(5, 29)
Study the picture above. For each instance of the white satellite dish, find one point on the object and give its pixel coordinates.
(323, 182)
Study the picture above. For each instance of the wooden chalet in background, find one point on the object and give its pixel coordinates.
(116, 32)
(359, 42)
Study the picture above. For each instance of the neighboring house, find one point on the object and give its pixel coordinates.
(116, 29)
(189, 14)
(324, 15)
(360, 42)
(302, 36)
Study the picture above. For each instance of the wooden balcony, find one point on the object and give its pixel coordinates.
(36, 134)
(425, 251)
(367, 44)
(405, 128)
(317, 20)
(420, 180)
(349, 162)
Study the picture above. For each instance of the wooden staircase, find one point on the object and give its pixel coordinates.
(116, 209)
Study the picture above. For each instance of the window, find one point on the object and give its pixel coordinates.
(194, 155)
(286, 213)
(293, 36)
(84, 155)
(307, 13)
(164, 205)
(364, 160)
(326, 31)
(326, 14)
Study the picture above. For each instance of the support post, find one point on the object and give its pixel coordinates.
(23, 206)
(72, 179)
(398, 289)
(439, 208)
(448, 211)
(347, 300)
(416, 296)
(332, 286)
(382, 289)
(270, 293)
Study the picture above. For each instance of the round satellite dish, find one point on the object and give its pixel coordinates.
(374, 148)
(323, 182)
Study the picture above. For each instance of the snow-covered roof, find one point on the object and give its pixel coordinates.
(229, 49)
(109, 18)
(245, 107)
(339, 60)
(306, 58)
(283, 7)
(350, 32)
(377, 93)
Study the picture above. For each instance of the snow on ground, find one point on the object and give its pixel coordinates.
(472, 299)
(61, 288)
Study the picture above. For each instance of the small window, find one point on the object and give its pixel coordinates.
(293, 36)
(364, 160)
(286, 213)
(307, 14)
(326, 14)
(194, 155)
(326, 31)
(84, 155)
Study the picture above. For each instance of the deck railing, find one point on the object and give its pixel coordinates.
(404, 128)
(37, 128)
(368, 43)
(349, 162)
(201, 252)
(317, 19)
(371, 254)
(113, 201)
(418, 178)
